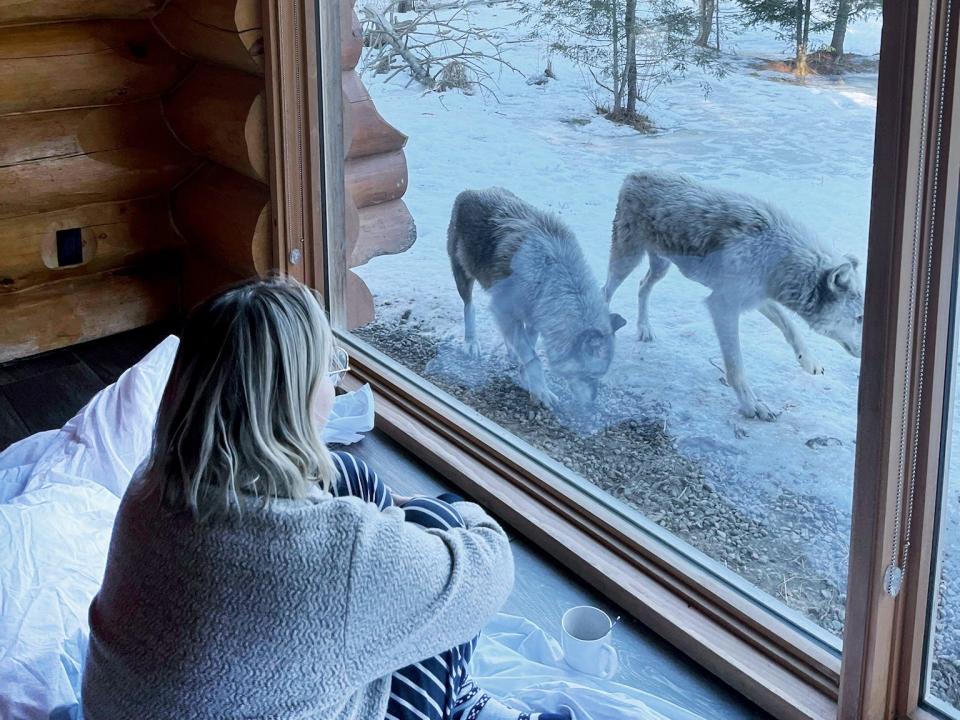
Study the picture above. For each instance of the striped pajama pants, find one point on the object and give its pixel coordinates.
(436, 688)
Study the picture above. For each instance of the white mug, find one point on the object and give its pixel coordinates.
(586, 640)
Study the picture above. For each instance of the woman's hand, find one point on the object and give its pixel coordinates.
(399, 500)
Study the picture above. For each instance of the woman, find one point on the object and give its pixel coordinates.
(254, 574)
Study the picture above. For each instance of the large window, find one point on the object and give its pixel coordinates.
(741, 187)
(608, 264)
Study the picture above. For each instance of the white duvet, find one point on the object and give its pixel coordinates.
(59, 492)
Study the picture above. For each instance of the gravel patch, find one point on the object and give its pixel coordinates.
(945, 670)
(624, 447)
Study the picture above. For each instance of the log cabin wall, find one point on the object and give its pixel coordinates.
(134, 164)
(218, 111)
(377, 220)
(86, 243)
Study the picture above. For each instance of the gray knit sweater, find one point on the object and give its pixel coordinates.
(301, 610)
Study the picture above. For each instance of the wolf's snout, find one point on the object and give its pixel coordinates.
(584, 390)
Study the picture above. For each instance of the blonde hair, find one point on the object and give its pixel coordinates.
(235, 416)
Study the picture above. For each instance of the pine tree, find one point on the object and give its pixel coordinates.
(844, 12)
(794, 20)
(629, 48)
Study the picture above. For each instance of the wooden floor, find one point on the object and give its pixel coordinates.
(43, 392)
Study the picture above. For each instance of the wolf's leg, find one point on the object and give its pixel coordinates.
(625, 254)
(517, 338)
(465, 288)
(726, 320)
(778, 317)
(658, 268)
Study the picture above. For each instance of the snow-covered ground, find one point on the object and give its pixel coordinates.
(805, 146)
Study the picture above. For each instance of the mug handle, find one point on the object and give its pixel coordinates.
(611, 662)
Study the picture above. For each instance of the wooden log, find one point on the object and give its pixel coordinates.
(351, 36)
(232, 15)
(44, 67)
(85, 156)
(365, 130)
(53, 315)
(114, 235)
(226, 216)
(222, 32)
(385, 229)
(376, 179)
(220, 113)
(82, 131)
(360, 309)
(23, 12)
(203, 277)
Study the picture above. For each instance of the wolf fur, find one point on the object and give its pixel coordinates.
(539, 285)
(749, 253)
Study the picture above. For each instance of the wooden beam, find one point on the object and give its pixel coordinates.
(222, 32)
(23, 12)
(91, 155)
(376, 179)
(226, 216)
(383, 230)
(359, 302)
(114, 235)
(44, 67)
(232, 15)
(366, 132)
(351, 36)
(219, 113)
(62, 313)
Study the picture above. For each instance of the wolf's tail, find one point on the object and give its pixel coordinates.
(460, 274)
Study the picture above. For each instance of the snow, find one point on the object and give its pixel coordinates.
(805, 146)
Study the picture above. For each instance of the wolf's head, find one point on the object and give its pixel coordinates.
(838, 310)
(588, 358)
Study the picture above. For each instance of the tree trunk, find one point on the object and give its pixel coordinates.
(717, 15)
(615, 32)
(630, 62)
(801, 49)
(707, 9)
(840, 29)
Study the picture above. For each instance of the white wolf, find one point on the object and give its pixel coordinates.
(749, 253)
(539, 285)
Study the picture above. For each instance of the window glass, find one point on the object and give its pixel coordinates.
(943, 675)
(705, 166)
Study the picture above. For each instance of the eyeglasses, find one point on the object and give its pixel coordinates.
(340, 364)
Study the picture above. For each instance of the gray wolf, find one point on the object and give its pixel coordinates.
(749, 253)
(539, 285)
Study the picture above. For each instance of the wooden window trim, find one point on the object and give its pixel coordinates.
(884, 637)
(765, 657)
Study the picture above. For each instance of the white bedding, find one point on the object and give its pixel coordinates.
(59, 492)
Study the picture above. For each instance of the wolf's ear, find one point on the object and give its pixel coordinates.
(840, 278)
(853, 260)
(617, 321)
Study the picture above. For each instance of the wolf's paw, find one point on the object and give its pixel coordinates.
(472, 349)
(545, 397)
(809, 363)
(644, 333)
(759, 410)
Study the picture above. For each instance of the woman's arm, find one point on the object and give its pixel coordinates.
(415, 593)
(357, 479)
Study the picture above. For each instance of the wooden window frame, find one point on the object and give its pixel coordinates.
(763, 655)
